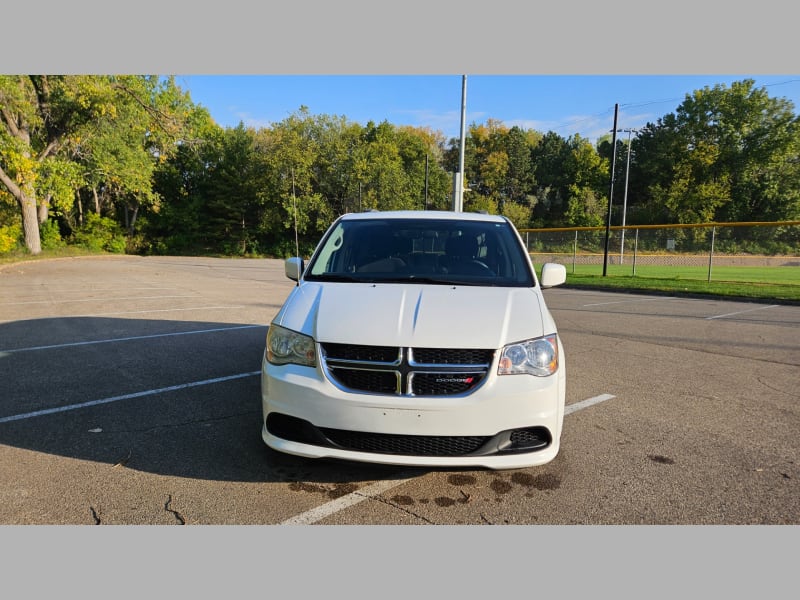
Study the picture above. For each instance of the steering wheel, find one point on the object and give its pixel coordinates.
(482, 266)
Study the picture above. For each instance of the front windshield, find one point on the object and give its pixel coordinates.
(422, 250)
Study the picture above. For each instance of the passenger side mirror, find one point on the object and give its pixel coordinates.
(553, 274)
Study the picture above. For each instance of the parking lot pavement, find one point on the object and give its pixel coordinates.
(129, 394)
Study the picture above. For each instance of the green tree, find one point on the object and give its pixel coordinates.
(182, 183)
(290, 199)
(571, 179)
(726, 154)
(60, 132)
(589, 174)
(552, 180)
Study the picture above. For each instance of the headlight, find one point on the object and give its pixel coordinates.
(534, 357)
(285, 346)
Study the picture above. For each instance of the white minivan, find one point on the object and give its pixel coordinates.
(416, 338)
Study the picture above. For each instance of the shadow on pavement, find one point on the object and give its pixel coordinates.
(157, 396)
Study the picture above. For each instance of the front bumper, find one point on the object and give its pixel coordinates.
(511, 421)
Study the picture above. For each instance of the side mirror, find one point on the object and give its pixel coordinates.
(293, 267)
(553, 274)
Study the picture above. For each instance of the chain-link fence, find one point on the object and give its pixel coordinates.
(698, 251)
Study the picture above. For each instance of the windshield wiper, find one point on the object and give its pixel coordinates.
(348, 278)
(429, 280)
(334, 277)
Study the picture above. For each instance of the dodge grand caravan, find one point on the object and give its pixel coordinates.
(416, 338)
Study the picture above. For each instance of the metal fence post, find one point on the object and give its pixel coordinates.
(574, 251)
(635, 247)
(711, 253)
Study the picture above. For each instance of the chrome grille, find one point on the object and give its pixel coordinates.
(391, 370)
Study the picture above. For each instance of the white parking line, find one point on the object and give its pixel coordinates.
(325, 510)
(741, 312)
(103, 299)
(576, 406)
(172, 388)
(127, 339)
(629, 301)
(142, 312)
(40, 287)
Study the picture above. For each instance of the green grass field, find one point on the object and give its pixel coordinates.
(750, 282)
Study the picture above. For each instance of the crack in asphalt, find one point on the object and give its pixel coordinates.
(175, 513)
(95, 516)
(775, 389)
(184, 423)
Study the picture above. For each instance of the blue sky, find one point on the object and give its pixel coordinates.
(565, 104)
(559, 66)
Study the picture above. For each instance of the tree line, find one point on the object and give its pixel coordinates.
(131, 163)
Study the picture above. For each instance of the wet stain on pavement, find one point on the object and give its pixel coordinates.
(403, 500)
(337, 491)
(663, 460)
(444, 501)
(545, 481)
(461, 480)
(500, 487)
(525, 479)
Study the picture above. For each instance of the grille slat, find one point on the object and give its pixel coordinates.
(380, 382)
(451, 356)
(358, 353)
(405, 371)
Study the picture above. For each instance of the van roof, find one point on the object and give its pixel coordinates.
(424, 214)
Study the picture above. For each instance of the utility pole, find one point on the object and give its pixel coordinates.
(611, 190)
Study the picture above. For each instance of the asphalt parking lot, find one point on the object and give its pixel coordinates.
(129, 394)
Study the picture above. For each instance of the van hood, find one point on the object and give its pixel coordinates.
(416, 315)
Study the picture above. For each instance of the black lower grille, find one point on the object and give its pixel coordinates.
(530, 439)
(410, 445)
(506, 442)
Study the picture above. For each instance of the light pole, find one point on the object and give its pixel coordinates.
(611, 188)
(458, 199)
(625, 196)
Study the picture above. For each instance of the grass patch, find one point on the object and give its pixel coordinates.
(748, 290)
(63, 252)
(772, 284)
(788, 275)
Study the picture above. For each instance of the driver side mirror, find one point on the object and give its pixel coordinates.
(293, 267)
